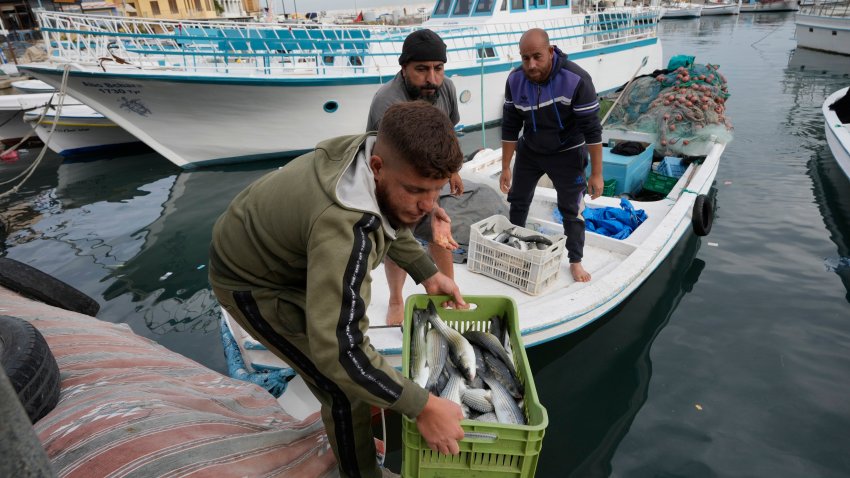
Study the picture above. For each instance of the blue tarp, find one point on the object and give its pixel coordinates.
(610, 221)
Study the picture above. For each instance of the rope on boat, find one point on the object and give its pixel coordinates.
(384, 431)
(26, 173)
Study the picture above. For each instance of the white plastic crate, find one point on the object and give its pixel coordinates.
(529, 271)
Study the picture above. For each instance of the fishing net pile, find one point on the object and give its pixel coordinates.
(684, 107)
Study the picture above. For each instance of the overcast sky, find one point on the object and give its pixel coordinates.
(316, 5)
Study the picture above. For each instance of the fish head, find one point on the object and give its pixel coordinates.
(432, 309)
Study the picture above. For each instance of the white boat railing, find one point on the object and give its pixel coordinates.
(826, 9)
(256, 49)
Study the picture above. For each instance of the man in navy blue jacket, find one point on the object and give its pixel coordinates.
(553, 101)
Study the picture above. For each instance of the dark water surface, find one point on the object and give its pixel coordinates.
(733, 359)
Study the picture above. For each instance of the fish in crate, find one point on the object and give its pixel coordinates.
(474, 357)
(521, 257)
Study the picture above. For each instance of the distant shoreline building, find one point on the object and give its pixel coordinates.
(18, 15)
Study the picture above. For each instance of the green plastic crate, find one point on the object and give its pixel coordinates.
(498, 450)
(659, 183)
(610, 188)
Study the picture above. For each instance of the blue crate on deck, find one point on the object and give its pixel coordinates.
(629, 171)
(672, 166)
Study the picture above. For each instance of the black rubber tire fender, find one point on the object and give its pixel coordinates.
(703, 215)
(30, 366)
(35, 284)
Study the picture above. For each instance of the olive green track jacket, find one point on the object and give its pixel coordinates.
(313, 231)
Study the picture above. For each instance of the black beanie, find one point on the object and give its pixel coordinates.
(422, 45)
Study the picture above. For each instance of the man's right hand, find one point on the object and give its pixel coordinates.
(505, 181)
(439, 424)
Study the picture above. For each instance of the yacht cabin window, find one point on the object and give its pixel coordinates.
(517, 4)
(484, 6)
(461, 8)
(486, 51)
(442, 7)
(558, 3)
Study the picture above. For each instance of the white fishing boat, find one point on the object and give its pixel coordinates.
(207, 92)
(824, 27)
(12, 109)
(721, 8)
(836, 118)
(79, 129)
(32, 86)
(760, 6)
(618, 267)
(682, 11)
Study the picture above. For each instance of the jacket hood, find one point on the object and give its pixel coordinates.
(343, 171)
(333, 157)
(558, 60)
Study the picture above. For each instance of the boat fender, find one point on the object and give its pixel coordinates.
(35, 284)
(30, 366)
(703, 215)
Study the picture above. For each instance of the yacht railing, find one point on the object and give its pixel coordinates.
(826, 9)
(258, 50)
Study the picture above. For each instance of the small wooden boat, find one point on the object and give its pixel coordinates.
(759, 6)
(825, 27)
(836, 118)
(722, 8)
(681, 11)
(79, 129)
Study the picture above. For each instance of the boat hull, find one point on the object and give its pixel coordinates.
(32, 87)
(824, 33)
(619, 267)
(709, 10)
(681, 13)
(195, 120)
(12, 125)
(80, 132)
(837, 134)
(778, 6)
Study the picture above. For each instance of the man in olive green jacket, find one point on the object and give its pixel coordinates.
(291, 260)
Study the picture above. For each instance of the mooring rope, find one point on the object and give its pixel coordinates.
(26, 173)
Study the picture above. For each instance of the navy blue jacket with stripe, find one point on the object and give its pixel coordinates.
(556, 115)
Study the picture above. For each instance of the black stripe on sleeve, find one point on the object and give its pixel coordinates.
(353, 310)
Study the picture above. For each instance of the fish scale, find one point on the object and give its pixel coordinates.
(501, 374)
(436, 356)
(460, 349)
(506, 408)
(418, 356)
(478, 399)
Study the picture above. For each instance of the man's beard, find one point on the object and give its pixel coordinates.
(388, 211)
(415, 92)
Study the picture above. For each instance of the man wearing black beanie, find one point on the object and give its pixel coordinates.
(422, 77)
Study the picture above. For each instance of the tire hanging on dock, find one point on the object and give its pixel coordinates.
(35, 284)
(703, 215)
(30, 366)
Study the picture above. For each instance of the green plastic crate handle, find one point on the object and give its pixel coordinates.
(480, 437)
